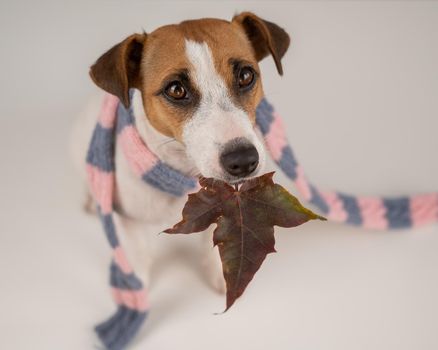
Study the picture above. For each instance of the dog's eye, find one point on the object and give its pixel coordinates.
(176, 91)
(246, 77)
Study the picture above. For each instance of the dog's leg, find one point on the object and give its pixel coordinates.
(138, 246)
(212, 262)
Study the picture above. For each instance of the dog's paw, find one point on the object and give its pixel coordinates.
(213, 272)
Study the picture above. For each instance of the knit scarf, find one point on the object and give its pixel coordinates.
(116, 125)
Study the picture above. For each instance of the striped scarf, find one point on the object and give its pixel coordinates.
(116, 123)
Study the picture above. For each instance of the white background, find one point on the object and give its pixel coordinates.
(359, 97)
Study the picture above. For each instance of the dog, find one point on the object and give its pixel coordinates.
(197, 85)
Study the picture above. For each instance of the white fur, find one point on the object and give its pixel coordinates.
(217, 119)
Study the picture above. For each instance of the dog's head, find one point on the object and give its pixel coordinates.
(200, 84)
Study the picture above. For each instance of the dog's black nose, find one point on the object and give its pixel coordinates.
(240, 160)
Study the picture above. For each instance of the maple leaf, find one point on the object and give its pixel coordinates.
(245, 219)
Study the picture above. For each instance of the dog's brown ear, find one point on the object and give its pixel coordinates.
(118, 69)
(265, 37)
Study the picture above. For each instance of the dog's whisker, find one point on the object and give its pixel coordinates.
(194, 172)
(166, 142)
(176, 150)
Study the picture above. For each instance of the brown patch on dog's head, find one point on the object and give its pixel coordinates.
(151, 62)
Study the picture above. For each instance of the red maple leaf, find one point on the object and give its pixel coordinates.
(245, 219)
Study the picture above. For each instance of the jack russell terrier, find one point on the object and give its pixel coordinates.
(197, 85)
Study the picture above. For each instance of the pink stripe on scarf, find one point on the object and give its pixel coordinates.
(336, 207)
(133, 299)
(140, 158)
(302, 184)
(424, 209)
(101, 186)
(121, 260)
(107, 116)
(373, 213)
(276, 137)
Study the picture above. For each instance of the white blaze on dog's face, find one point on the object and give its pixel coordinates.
(219, 136)
(200, 84)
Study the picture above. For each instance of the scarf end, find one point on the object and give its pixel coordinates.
(121, 328)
